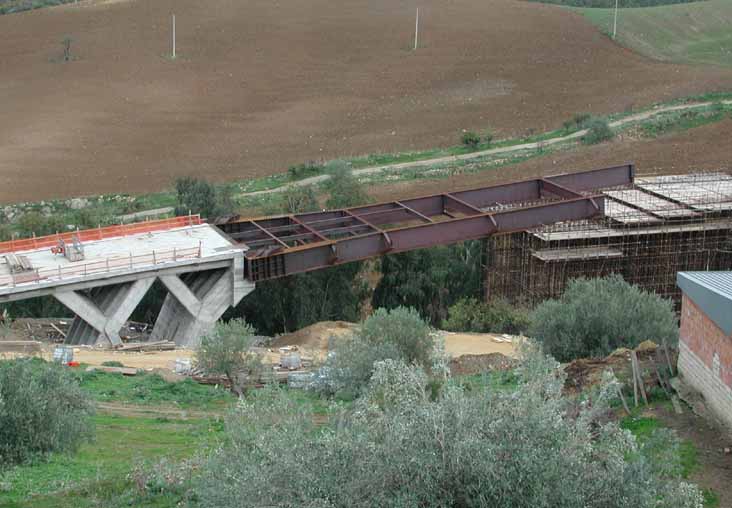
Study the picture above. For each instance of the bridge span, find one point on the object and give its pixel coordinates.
(102, 274)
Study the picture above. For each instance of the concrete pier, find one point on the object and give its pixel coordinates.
(202, 270)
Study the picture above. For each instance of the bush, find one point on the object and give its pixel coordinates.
(398, 334)
(598, 130)
(198, 196)
(495, 316)
(42, 410)
(300, 171)
(596, 316)
(578, 121)
(343, 188)
(226, 351)
(521, 447)
(471, 140)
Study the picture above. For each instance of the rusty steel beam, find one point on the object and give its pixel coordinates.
(311, 241)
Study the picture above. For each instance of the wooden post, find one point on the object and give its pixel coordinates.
(620, 394)
(636, 365)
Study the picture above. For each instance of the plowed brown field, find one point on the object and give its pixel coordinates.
(261, 84)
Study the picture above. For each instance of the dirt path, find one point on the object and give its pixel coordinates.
(158, 411)
(261, 85)
(493, 151)
(715, 467)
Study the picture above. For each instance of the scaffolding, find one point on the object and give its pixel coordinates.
(652, 229)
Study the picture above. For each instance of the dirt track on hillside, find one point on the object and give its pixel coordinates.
(263, 84)
(707, 148)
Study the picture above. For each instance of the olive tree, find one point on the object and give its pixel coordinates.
(42, 410)
(227, 351)
(596, 316)
(526, 446)
(396, 334)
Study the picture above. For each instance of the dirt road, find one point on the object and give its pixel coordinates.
(260, 85)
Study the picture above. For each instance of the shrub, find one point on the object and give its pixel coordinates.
(520, 447)
(598, 130)
(398, 334)
(226, 351)
(495, 316)
(198, 196)
(344, 189)
(42, 410)
(596, 316)
(300, 171)
(578, 121)
(470, 139)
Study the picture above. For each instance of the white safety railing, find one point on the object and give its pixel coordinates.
(107, 265)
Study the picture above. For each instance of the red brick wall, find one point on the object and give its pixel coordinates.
(704, 338)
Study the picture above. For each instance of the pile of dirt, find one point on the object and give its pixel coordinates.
(467, 365)
(315, 336)
(586, 372)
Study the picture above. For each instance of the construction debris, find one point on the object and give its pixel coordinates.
(586, 372)
(162, 345)
(26, 347)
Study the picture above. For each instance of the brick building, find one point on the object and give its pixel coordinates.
(705, 341)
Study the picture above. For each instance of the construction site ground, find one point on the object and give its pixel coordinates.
(313, 342)
(259, 86)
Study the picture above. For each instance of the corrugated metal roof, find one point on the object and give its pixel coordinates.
(712, 292)
(716, 281)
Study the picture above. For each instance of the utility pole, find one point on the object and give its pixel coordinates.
(615, 22)
(416, 30)
(173, 45)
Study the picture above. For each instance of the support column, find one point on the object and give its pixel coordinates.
(197, 300)
(103, 313)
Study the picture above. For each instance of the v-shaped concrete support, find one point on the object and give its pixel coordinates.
(104, 312)
(196, 301)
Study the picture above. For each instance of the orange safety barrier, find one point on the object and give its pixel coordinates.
(100, 233)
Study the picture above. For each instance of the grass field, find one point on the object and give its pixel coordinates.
(116, 470)
(686, 33)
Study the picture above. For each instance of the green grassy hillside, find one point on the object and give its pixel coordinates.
(11, 6)
(690, 33)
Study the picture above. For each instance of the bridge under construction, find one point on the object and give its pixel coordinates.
(102, 274)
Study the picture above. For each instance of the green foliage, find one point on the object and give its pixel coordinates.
(596, 316)
(198, 196)
(227, 351)
(42, 410)
(106, 473)
(399, 334)
(300, 171)
(343, 187)
(404, 329)
(522, 447)
(430, 280)
(112, 363)
(299, 199)
(13, 6)
(470, 140)
(578, 121)
(673, 122)
(608, 4)
(149, 389)
(598, 130)
(495, 316)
